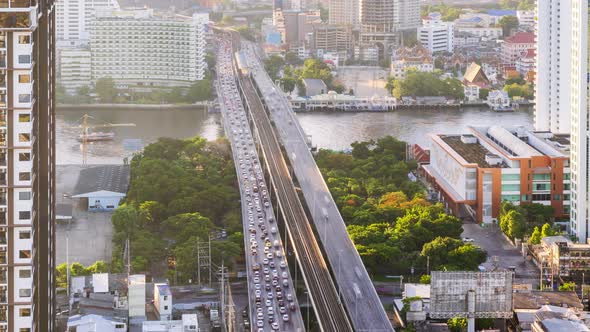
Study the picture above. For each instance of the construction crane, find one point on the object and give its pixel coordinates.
(86, 136)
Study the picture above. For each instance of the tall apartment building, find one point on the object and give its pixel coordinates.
(345, 12)
(552, 84)
(579, 118)
(143, 50)
(436, 35)
(27, 165)
(332, 38)
(74, 17)
(406, 14)
(474, 173)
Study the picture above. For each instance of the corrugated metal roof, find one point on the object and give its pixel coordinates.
(508, 140)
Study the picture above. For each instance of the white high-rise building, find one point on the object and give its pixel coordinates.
(579, 119)
(553, 33)
(74, 68)
(74, 18)
(144, 50)
(436, 35)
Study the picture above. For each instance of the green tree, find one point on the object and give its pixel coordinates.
(288, 84)
(508, 24)
(187, 225)
(425, 279)
(535, 236)
(273, 65)
(547, 231)
(98, 267)
(457, 324)
(567, 287)
(200, 91)
(106, 90)
(291, 58)
(513, 224)
(484, 93)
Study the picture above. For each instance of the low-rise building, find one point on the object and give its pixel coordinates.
(482, 32)
(188, 323)
(163, 301)
(94, 323)
(526, 63)
(475, 172)
(498, 100)
(517, 46)
(415, 58)
(103, 187)
(526, 18)
(474, 75)
(314, 87)
(471, 92)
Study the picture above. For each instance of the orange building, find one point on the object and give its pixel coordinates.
(475, 172)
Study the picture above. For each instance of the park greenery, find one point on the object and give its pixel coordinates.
(106, 92)
(509, 24)
(518, 221)
(524, 90)
(293, 74)
(180, 192)
(388, 218)
(76, 270)
(448, 13)
(424, 84)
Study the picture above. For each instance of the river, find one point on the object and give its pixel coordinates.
(328, 130)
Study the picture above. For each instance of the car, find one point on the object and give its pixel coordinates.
(283, 264)
(467, 239)
(285, 318)
(275, 326)
(257, 292)
(279, 254)
(273, 230)
(276, 243)
(265, 261)
(257, 286)
(256, 280)
(269, 255)
(292, 307)
(289, 297)
(281, 303)
(285, 283)
(254, 252)
(267, 278)
(260, 323)
(279, 295)
(269, 295)
(266, 270)
(259, 311)
(268, 303)
(284, 274)
(282, 310)
(267, 287)
(260, 315)
(270, 311)
(275, 283)
(271, 264)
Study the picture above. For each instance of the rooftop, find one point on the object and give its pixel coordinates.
(163, 289)
(473, 153)
(112, 178)
(521, 38)
(536, 299)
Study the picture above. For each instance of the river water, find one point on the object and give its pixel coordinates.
(328, 130)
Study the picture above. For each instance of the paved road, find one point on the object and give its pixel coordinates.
(357, 291)
(273, 304)
(496, 245)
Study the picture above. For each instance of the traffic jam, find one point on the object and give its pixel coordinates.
(270, 285)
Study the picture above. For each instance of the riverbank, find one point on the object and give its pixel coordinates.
(157, 107)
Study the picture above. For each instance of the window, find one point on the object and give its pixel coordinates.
(24, 59)
(511, 187)
(22, 137)
(24, 39)
(542, 177)
(24, 176)
(24, 235)
(24, 329)
(24, 254)
(24, 312)
(511, 198)
(567, 176)
(566, 186)
(541, 186)
(24, 98)
(24, 117)
(24, 215)
(165, 307)
(566, 197)
(24, 156)
(541, 197)
(24, 273)
(24, 292)
(510, 177)
(24, 78)
(24, 195)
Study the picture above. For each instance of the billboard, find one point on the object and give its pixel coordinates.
(471, 294)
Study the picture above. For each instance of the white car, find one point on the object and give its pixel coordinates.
(273, 230)
(285, 318)
(467, 239)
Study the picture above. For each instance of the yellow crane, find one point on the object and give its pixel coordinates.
(87, 136)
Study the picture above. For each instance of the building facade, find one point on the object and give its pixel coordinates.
(517, 46)
(474, 173)
(27, 166)
(436, 35)
(332, 38)
(526, 18)
(579, 118)
(344, 12)
(416, 58)
(141, 50)
(74, 18)
(74, 68)
(553, 66)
